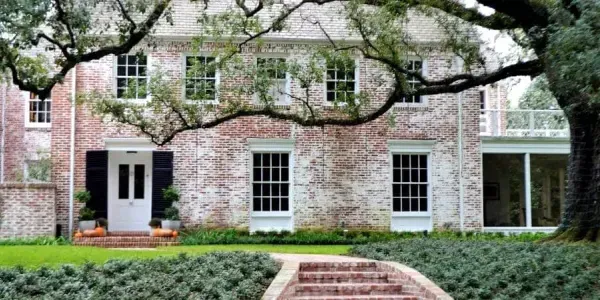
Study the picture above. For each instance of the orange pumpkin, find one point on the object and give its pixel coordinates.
(175, 234)
(100, 231)
(90, 233)
(78, 235)
(156, 232)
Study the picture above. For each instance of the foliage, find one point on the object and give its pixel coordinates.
(172, 213)
(86, 214)
(35, 241)
(171, 194)
(32, 257)
(102, 222)
(39, 170)
(83, 196)
(492, 269)
(338, 237)
(154, 223)
(538, 95)
(234, 275)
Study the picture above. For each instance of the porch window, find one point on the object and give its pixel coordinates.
(275, 70)
(340, 81)
(39, 113)
(201, 78)
(270, 181)
(132, 81)
(410, 182)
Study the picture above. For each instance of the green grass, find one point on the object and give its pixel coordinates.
(36, 256)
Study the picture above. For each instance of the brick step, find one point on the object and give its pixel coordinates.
(128, 233)
(127, 239)
(338, 267)
(343, 289)
(342, 277)
(103, 244)
(357, 297)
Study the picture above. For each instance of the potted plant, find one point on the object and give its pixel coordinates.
(154, 224)
(172, 220)
(86, 215)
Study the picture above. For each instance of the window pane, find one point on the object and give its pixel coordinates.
(548, 188)
(121, 71)
(266, 204)
(396, 175)
(285, 159)
(285, 205)
(123, 182)
(275, 159)
(285, 189)
(275, 190)
(266, 174)
(414, 204)
(256, 159)
(266, 159)
(504, 190)
(256, 174)
(275, 204)
(405, 204)
(396, 204)
(138, 181)
(266, 190)
(396, 190)
(256, 189)
(423, 204)
(285, 176)
(256, 204)
(275, 174)
(396, 161)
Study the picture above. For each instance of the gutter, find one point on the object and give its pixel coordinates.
(461, 192)
(72, 150)
(2, 146)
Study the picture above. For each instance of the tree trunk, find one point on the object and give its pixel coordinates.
(581, 217)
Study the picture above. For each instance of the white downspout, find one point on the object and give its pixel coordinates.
(72, 150)
(4, 96)
(460, 154)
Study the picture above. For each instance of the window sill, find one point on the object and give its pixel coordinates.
(411, 107)
(286, 106)
(271, 214)
(38, 127)
(411, 214)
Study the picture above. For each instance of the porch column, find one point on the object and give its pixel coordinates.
(527, 190)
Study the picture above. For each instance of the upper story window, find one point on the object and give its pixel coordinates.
(132, 80)
(38, 113)
(410, 182)
(412, 81)
(275, 71)
(482, 101)
(201, 78)
(270, 181)
(340, 81)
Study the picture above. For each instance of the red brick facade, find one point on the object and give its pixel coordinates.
(27, 210)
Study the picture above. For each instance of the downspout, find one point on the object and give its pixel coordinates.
(460, 154)
(72, 150)
(4, 96)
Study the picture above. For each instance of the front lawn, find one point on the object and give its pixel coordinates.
(35, 256)
(498, 269)
(221, 275)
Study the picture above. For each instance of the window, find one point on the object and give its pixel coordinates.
(482, 101)
(38, 112)
(340, 81)
(132, 81)
(413, 82)
(270, 181)
(275, 70)
(410, 182)
(37, 170)
(200, 78)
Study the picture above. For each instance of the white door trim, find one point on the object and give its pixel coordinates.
(116, 158)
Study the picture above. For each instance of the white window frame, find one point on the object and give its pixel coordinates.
(425, 74)
(356, 82)
(29, 124)
(417, 147)
(116, 78)
(272, 146)
(288, 78)
(184, 57)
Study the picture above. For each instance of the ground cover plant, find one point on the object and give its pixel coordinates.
(335, 237)
(53, 256)
(232, 275)
(35, 241)
(469, 269)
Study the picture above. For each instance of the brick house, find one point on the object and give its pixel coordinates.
(460, 161)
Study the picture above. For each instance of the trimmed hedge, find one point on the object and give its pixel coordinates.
(496, 270)
(219, 275)
(35, 241)
(336, 237)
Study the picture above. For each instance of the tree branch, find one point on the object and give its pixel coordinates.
(133, 25)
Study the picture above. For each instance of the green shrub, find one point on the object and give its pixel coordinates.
(335, 237)
(231, 275)
(86, 214)
(172, 213)
(479, 269)
(35, 241)
(83, 196)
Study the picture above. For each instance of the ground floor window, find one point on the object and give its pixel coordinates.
(270, 181)
(410, 182)
(514, 198)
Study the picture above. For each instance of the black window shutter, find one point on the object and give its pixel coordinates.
(162, 177)
(96, 181)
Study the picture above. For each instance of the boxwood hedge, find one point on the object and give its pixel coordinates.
(206, 236)
(498, 270)
(219, 275)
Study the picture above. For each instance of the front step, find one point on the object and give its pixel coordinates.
(357, 297)
(342, 277)
(338, 267)
(133, 239)
(340, 289)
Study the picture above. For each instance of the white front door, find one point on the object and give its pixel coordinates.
(129, 190)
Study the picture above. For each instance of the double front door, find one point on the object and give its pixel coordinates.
(129, 190)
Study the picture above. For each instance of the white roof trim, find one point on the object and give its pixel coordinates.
(271, 144)
(411, 145)
(526, 145)
(129, 144)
